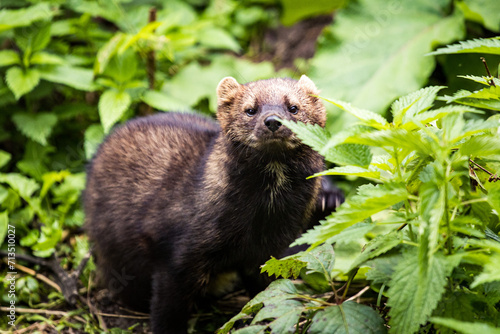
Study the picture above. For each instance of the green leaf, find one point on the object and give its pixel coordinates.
(481, 146)
(24, 17)
(406, 107)
(165, 102)
(50, 178)
(286, 267)
(21, 82)
(376, 247)
(466, 327)
(9, 57)
(4, 221)
(488, 98)
(122, 67)
(349, 317)
(482, 11)
(415, 290)
(94, 135)
(75, 77)
(348, 154)
(494, 198)
(429, 116)
(112, 106)
(479, 45)
(369, 200)
(396, 65)
(37, 127)
(312, 135)
(4, 158)
(297, 10)
(202, 80)
(217, 38)
(107, 51)
(321, 260)
(491, 271)
(351, 170)
(396, 137)
(355, 232)
(367, 117)
(45, 58)
(285, 315)
(24, 186)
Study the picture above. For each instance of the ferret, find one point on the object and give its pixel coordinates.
(175, 201)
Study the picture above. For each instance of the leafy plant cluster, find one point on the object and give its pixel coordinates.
(427, 221)
(71, 70)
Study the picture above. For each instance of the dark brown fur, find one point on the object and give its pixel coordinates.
(173, 200)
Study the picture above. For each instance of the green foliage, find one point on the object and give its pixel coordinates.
(72, 70)
(429, 248)
(396, 65)
(287, 307)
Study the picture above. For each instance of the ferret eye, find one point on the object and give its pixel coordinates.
(293, 109)
(251, 112)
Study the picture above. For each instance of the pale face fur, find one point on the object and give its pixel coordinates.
(243, 109)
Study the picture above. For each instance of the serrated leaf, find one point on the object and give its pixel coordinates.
(348, 154)
(369, 200)
(382, 268)
(466, 327)
(355, 232)
(21, 82)
(479, 45)
(406, 107)
(4, 158)
(112, 106)
(4, 221)
(482, 80)
(415, 290)
(23, 185)
(279, 290)
(367, 117)
(37, 127)
(435, 114)
(285, 315)
(400, 138)
(76, 77)
(312, 135)
(321, 260)
(349, 317)
(94, 135)
(488, 98)
(481, 146)
(376, 247)
(286, 267)
(9, 57)
(351, 170)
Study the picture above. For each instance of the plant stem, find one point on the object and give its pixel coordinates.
(449, 241)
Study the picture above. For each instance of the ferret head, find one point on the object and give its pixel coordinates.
(251, 114)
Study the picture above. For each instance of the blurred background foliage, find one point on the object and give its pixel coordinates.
(71, 70)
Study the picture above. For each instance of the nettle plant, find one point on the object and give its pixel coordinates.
(428, 221)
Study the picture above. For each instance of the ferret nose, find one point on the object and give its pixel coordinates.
(273, 123)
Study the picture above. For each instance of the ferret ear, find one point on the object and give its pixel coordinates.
(306, 84)
(226, 90)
